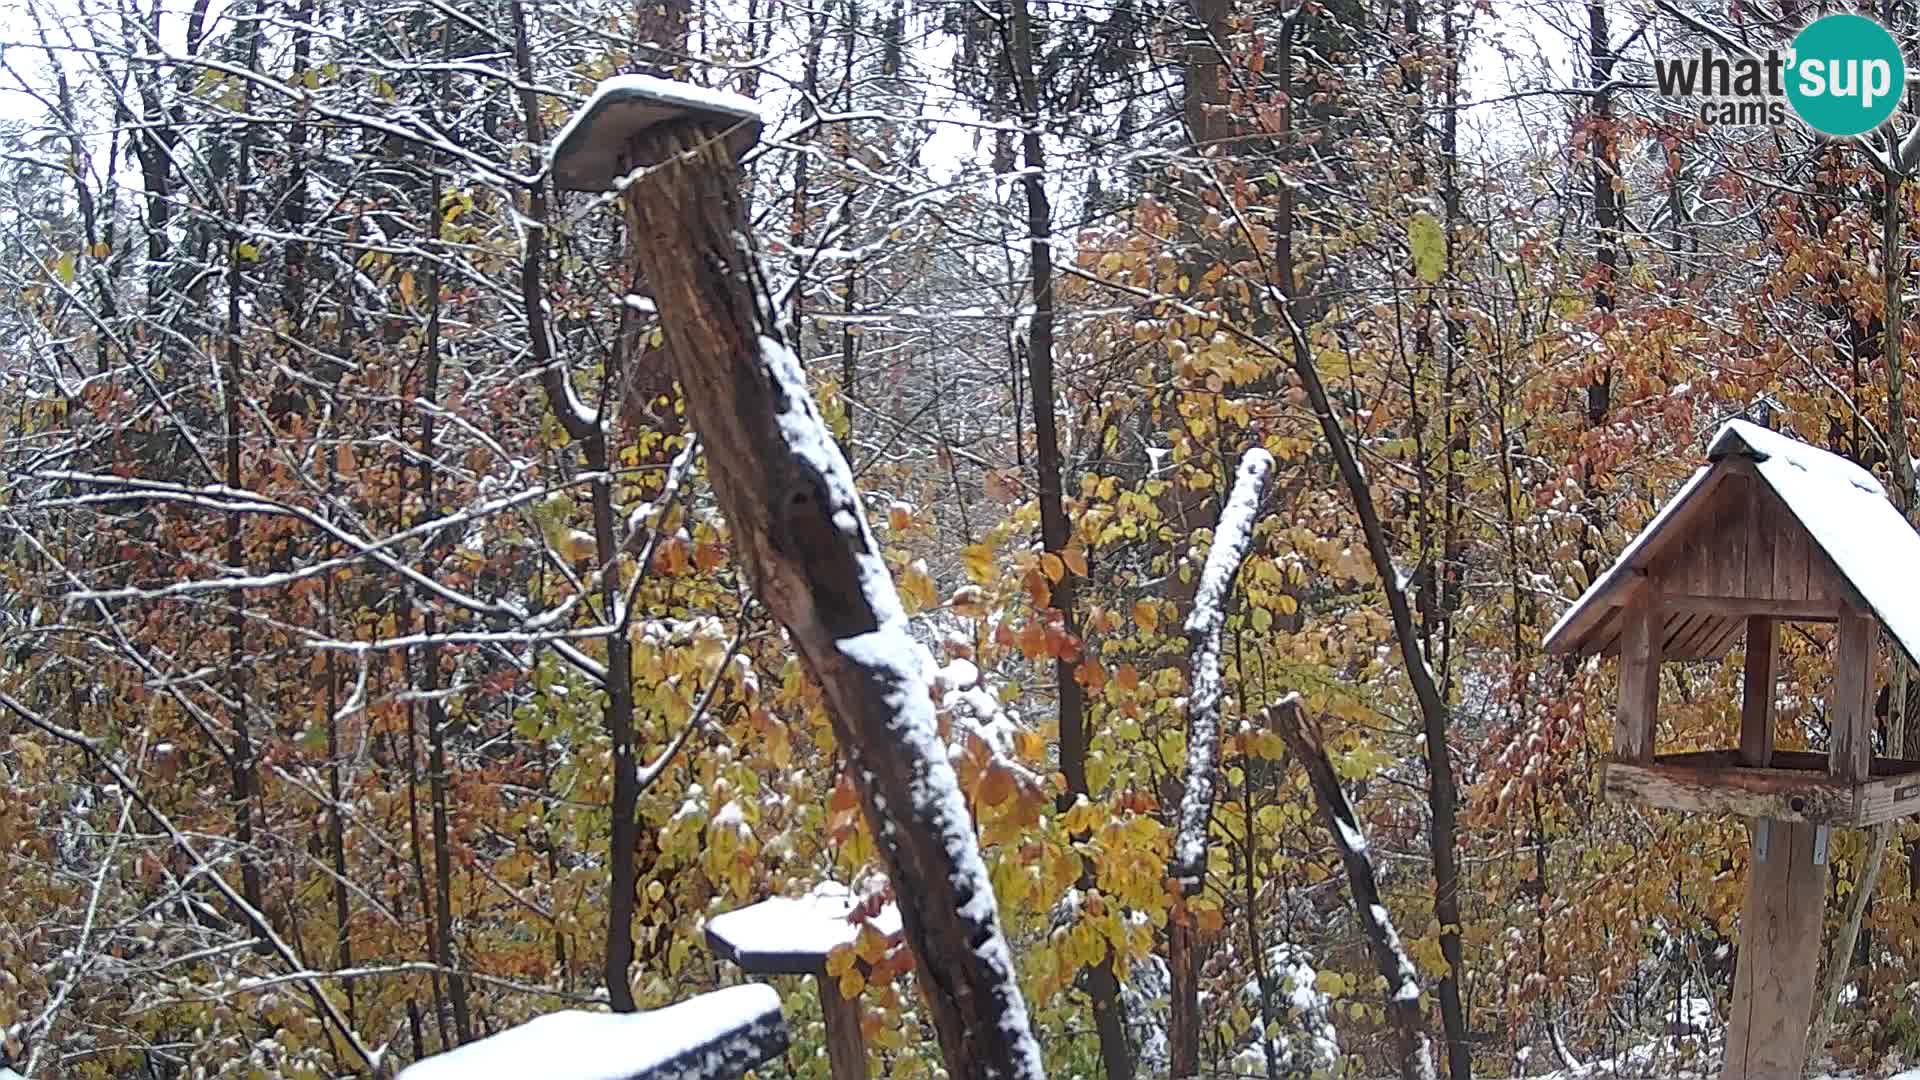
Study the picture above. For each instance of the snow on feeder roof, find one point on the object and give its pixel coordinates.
(591, 152)
(1813, 533)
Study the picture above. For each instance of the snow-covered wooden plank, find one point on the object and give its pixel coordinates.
(591, 152)
(715, 1036)
(792, 935)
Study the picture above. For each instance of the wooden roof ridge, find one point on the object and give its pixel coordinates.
(1843, 510)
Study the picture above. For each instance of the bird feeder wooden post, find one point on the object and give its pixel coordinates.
(794, 936)
(1770, 531)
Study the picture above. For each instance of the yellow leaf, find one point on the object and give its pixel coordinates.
(1429, 244)
(63, 268)
(407, 287)
(1052, 565)
(978, 559)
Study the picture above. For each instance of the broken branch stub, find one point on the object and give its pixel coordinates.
(801, 533)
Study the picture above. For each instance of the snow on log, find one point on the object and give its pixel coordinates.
(1231, 538)
(717, 1036)
(1303, 736)
(801, 534)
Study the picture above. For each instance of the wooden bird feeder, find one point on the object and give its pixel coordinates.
(1770, 531)
(793, 936)
(597, 148)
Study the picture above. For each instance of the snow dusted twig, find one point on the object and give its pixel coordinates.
(1231, 539)
(104, 759)
(1303, 736)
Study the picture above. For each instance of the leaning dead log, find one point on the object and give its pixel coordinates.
(1187, 867)
(801, 534)
(1303, 736)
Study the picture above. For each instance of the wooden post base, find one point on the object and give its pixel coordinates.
(1779, 965)
(846, 1046)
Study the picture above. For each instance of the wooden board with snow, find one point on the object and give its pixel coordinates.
(715, 1036)
(792, 935)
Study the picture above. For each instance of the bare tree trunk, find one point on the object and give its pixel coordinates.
(1303, 736)
(1893, 271)
(801, 534)
(1443, 795)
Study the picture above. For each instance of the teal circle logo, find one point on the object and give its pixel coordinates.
(1847, 75)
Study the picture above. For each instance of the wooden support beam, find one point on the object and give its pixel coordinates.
(1850, 743)
(1773, 985)
(1756, 693)
(1640, 655)
(1742, 606)
(846, 1047)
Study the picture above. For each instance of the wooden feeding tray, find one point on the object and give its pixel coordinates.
(716, 1036)
(793, 935)
(1795, 786)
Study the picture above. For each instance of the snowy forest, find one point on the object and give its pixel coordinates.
(1237, 391)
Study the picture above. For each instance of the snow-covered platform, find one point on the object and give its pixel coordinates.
(717, 1036)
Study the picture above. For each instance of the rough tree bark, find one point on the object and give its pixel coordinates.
(1303, 736)
(800, 532)
(1187, 867)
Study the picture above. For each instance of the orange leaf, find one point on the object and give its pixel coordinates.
(1052, 566)
(1126, 677)
(1145, 614)
(996, 785)
(1076, 559)
(1036, 587)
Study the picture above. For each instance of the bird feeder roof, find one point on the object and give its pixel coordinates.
(591, 152)
(1857, 547)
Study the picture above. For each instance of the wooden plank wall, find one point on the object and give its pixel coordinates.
(1747, 544)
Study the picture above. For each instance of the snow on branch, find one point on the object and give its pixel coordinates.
(1231, 539)
(1303, 736)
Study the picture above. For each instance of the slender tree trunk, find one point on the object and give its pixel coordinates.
(246, 779)
(439, 778)
(618, 716)
(1098, 979)
(1839, 967)
(1442, 793)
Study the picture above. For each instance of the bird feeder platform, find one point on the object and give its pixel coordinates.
(794, 936)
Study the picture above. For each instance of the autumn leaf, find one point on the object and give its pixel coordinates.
(1429, 245)
(1146, 615)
